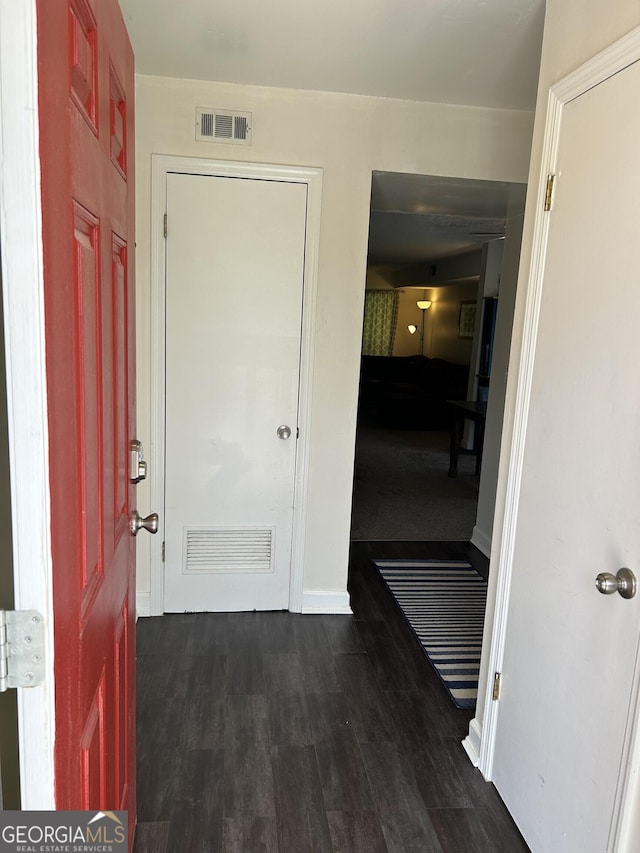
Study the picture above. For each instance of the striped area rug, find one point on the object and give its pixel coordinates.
(444, 603)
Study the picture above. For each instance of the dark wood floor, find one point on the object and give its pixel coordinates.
(305, 734)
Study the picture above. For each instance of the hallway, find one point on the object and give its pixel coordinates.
(402, 491)
(300, 734)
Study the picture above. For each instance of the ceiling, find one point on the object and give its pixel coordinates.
(482, 53)
(476, 52)
(419, 218)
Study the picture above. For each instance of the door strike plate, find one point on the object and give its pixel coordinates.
(21, 649)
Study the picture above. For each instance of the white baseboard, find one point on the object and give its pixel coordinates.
(143, 604)
(482, 541)
(325, 601)
(471, 743)
(313, 601)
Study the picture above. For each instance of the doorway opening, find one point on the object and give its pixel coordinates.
(442, 264)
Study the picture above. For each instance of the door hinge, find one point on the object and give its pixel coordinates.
(21, 649)
(548, 196)
(165, 225)
(163, 552)
(497, 683)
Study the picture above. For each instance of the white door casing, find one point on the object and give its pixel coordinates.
(235, 266)
(561, 744)
(23, 295)
(311, 180)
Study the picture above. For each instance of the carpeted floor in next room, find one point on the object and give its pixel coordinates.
(402, 491)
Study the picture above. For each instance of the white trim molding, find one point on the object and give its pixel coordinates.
(326, 601)
(143, 604)
(595, 71)
(23, 300)
(472, 741)
(481, 540)
(504, 566)
(161, 166)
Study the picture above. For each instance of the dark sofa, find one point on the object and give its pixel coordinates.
(410, 392)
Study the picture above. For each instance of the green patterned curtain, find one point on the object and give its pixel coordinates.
(380, 314)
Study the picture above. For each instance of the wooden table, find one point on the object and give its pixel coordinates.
(462, 410)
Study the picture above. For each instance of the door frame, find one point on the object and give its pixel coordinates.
(482, 735)
(23, 297)
(161, 166)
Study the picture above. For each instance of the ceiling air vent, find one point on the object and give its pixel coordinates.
(223, 126)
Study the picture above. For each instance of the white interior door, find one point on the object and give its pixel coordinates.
(235, 265)
(570, 652)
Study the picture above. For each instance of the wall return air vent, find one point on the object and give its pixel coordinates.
(235, 549)
(223, 126)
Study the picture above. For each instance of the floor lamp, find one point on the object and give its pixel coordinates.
(423, 305)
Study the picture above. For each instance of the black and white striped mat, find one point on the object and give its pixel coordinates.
(444, 603)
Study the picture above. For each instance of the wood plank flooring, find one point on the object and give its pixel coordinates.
(282, 733)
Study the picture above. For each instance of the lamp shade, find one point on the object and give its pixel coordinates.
(423, 304)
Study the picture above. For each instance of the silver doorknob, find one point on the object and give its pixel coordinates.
(624, 582)
(284, 432)
(137, 522)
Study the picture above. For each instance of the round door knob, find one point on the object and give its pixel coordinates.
(284, 432)
(137, 522)
(623, 582)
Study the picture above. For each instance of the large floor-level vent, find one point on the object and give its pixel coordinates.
(216, 549)
(223, 126)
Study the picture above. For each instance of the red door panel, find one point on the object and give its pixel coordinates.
(85, 69)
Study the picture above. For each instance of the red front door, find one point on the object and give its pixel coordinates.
(85, 71)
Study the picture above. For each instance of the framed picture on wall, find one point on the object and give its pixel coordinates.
(467, 319)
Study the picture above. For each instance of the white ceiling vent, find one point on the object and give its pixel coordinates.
(223, 126)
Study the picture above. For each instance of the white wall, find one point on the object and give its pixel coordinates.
(490, 271)
(497, 387)
(349, 137)
(376, 278)
(441, 320)
(404, 342)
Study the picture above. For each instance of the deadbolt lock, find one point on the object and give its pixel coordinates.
(137, 465)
